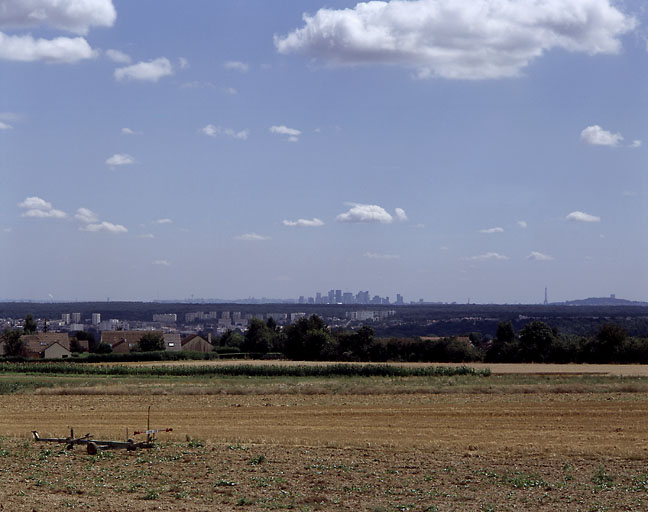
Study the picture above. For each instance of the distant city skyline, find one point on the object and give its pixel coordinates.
(443, 150)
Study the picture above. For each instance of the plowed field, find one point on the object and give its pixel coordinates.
(378, 452)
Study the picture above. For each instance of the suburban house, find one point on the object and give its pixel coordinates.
(196, 343)
(51, 345)
(123, 342)
(56, 351)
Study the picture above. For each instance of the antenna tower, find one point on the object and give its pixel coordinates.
(546, 301)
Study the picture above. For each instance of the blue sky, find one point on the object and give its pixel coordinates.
(443, 150)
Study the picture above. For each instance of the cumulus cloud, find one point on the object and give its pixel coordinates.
(488, 256)
(304, 223)
(522, 223)
(378, 256)
(596, 136)
(237, 66)
(163, 221)
(635, 143)
(365, 213)
(120, 159)
(492, 230)
(215, 131)
(538, 256)
(582, 217)
(118, 56)
(400, 214)
(86, 215)
(106, 226)
(75, 16)
(480, 39)
(162, 263)
(150, 71)
(25, 48)
(251, 237)
(39, 208)
(5, 126)
(71, 15)
(292, 134)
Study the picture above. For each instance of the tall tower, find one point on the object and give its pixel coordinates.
(546, 301)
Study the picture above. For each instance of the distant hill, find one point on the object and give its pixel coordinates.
(601, 301)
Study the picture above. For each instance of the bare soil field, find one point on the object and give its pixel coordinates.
(378, 452)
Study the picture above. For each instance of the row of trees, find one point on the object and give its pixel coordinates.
(311, 339)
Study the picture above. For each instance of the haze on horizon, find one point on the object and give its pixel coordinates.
(442, 150)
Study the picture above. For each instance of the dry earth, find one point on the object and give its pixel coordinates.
(380, 452)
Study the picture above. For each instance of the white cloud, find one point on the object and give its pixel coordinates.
(377, 256)
(162, 263)
(365, 213)
(597, 136)
(53, 214)
(237, 66)
(129, 131)
(492, 230)
(400, 214)
(304, 223)
(230, 90)
(251, 237)
(119, 57)
(120, 159)
(215, 131)
(457, 40)
(106, 226)
(71, 15)
(5, 126)
(150, 71)
(635, 143)
(582, 217)
(86, 215)
(488, 256)
(292, 134)
(183, 63)
(163, 221)
(538, 256)
(39, 208)
(35, 203)
(146, 235)
(522, 223)
(25, 48)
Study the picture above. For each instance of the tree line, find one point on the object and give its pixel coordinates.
(311, 339)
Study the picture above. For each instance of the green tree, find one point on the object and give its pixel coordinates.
(258, 337)
(14, 346)
(151, 341)
(104, 348)
(29, 325)
(608, 342)
(306, 338)
(231, 338)
(505, 332)
(536, 340)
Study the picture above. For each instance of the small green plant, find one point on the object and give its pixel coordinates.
(601, 478)
(224, 483)
(243, 502)
(196, 443)
(151, 494)
(255, 461)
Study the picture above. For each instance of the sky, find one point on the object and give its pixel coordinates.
(441, 149)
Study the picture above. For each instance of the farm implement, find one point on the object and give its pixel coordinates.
(94, 445)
